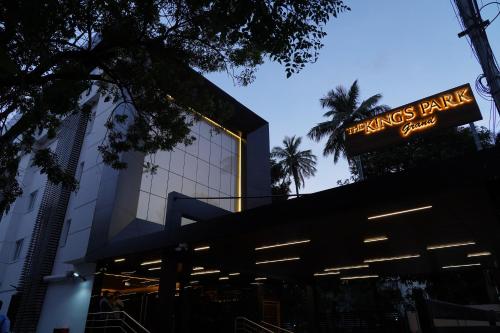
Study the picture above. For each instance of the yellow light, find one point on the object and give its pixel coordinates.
(131, 277)
(345, 267)
(238, 180)
(234, 274)
(327, 273)
(260, 278)
(152, 262)
(213, 271)
(224, 278)
(409, 256)
(458, 266)
(202, 248)
(375, 239)
(479, 254)
(399, 212)
(445, 246)
(359, 277)
(120, 260)
(198, 268)
(154, 268)
(282, 244)
(276, 260)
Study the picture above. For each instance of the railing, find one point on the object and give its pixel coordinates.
(242, 324)
(275, 328)
(113, 321)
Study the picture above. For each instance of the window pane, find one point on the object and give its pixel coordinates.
(193, 148)
(146, 180)
(202, 173)
(186, 221)
(201, 191)
(156, 210)
(215, 154)
(159, 183)
(162, 159)
(216, 136)
(174, 183)
(205, 129)
(32, 200)
(142, 207)
(188, 187)
(204, 150)
(177, 161)
(18, 249)
(190, 167)
(226, 160)
(214, 181)
(227, 141)
(214, 194)
(225, 183)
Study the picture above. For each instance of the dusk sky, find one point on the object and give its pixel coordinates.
(403, 49)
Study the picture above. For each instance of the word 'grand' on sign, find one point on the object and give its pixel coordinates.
(454, 107)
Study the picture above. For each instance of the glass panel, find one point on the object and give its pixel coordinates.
(226, 204)
(215, 154)
(204, 149)
(190, 167)
(188, 187)
(213, 194)
(202, 173)
(205, 129)
(227, 141)
(186, 221)
(216, 136)
(193, 148)
(177, 161)
(159, 183)
(214, 179)
(162, 159)
(146, 180)
(226, 160)
(225, 183)
(142, 207)
(201, 191)
(174, 183)
(156, 210)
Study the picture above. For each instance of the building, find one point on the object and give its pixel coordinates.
(48, 233)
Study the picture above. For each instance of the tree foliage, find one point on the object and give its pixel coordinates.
(344, 107)
(295, 163)
(137, 53)
(280, 182)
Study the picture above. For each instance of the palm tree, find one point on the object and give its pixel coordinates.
(296, 163)
(343, 108)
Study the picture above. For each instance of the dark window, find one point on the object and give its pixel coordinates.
(32, 200)
(18, 249)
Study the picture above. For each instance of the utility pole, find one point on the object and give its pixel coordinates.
(475, 28)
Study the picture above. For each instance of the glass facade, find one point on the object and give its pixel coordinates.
(207, 168)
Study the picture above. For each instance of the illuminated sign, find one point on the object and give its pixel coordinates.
(450, 108)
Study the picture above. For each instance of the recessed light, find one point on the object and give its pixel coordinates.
(445, 246)
(359, 277)
(282, 244)
(152, 262)
(464, 265)
(399, 212)
(213, 271)
(276, 260)
(202, 248)
(375, 239)
(409, 256)
(327, 273)
(346, 267)
(120, 260)
(479, 254)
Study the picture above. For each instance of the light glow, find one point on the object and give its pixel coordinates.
(479, 254)
(375, 239)
(276, 260)
(409, 256)
(120, 260)
(327, 273)
(282, 244)
(445, 246)
(234, 274)
(260, 278)
(399, 212)
(198, 268)
(154, 268)
(224, 278)
(359, 277)
(131, 277)
(345, 267)
(202, 248)
(458, 266)
(152, 262)
(212, 271)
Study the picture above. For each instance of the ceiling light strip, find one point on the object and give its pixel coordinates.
(346, 267)
(327, 273)
(276, 260)
(479, 254)
(154, 268)
(130, 277)
(120, 260)
(282, 244)
(213, 271)
(458, 266)
(202, 248)
(375, 239)
(445, 246)
(152, 262)
(260, 278)
(399, 212)
(358, 277)
(409, 256)
(234, 274)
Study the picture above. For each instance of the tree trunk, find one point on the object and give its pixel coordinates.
(296, 187)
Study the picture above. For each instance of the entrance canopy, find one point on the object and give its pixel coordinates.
(425, 221)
